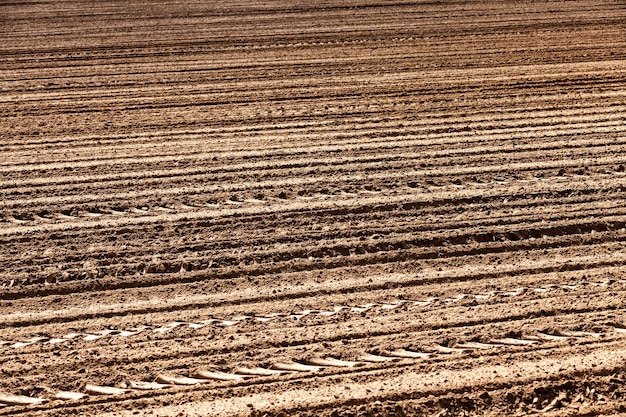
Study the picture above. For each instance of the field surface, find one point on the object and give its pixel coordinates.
(312, 208)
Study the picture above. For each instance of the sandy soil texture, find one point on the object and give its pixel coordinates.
(322, 208)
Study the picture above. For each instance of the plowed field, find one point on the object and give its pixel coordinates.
(324, 208)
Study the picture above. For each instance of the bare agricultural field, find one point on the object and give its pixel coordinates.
(322, 208)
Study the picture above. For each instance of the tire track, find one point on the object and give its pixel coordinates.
(326, 312)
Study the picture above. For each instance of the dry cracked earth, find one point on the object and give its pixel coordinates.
(321, 208)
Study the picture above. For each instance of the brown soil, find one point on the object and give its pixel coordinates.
(328, 208)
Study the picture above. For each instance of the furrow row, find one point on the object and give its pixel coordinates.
(587, 152)
(322, 129)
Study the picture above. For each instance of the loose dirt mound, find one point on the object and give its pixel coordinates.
(322, 209)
